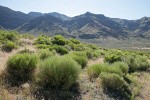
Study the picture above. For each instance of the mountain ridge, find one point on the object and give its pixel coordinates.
(87, 25)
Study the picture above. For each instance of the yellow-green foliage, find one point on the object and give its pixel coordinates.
(137, 63)
(94, 70)
(59, 40)
(122, 66)
(112, 81)
(93, 53)
(43, 39)
(58, 71)
(59, 49)
(43, 46)
(118, 68)
(111, 58)
(9, 46)
(27, 36)
(74, 41)
(8, 36)
(80, 57)
(26, 51)
(20, 67)
(79, 47)
(45, 53)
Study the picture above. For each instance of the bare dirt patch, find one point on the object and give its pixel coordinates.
(96, 61)
(144, 80)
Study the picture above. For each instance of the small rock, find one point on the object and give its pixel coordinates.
(25, 85)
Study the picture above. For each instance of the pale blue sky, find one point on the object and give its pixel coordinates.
(128, 9)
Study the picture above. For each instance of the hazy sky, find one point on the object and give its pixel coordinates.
(128, 9)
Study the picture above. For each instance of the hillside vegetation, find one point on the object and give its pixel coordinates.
(43, 67)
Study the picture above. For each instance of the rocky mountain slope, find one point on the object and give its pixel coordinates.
(85, 26)
(10, 19)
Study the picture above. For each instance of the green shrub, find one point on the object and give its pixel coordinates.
(44, 54)
(59, 40)
(115, 70)
(92, 46)
(97, 53)
(137, 63)
(27, 36)
(89, 54)
(8, 36)
(79, 47)
(43, 46)
(59, 49)
(123, 66)
(94, 71)
(43, 39)
(9, 46)
(118, 68)
(112, 81)
(74, 41)
(71, 45)
(80, 57)
(93, 53)
(58, 72)
(111, 58)
(20, 67)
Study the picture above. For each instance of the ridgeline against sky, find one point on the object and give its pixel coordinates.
(126, 9)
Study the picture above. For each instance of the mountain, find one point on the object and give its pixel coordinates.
(129, 24)
(1, 28)
(46, 23)
(84, 26)
(94, 25)
(60, 16)
(140, 27)
(55, 14)
(10, 19)
(87, 25)
(35, 14)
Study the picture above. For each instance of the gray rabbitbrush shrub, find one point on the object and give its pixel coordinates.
(58, 72)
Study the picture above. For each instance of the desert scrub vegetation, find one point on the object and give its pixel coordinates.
(74, 41)
(59, 40)
(20, 67)
(114, 83)
(27, 36)
(119, 68)
(94, 70)
(112, 78)
(122, 66)
(118, 77)
(59, 49)
(8, 40)
(58, 72)
(93, 54)
(25, 50)
(111, 58)
(137, 63)
(43, 39)
(45, 53)
(8, 36)
(80, 57)
(8, 46)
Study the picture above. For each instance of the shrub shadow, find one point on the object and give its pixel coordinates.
(58, 94)
(118, 94)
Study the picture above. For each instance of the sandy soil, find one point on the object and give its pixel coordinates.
(96, 61)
